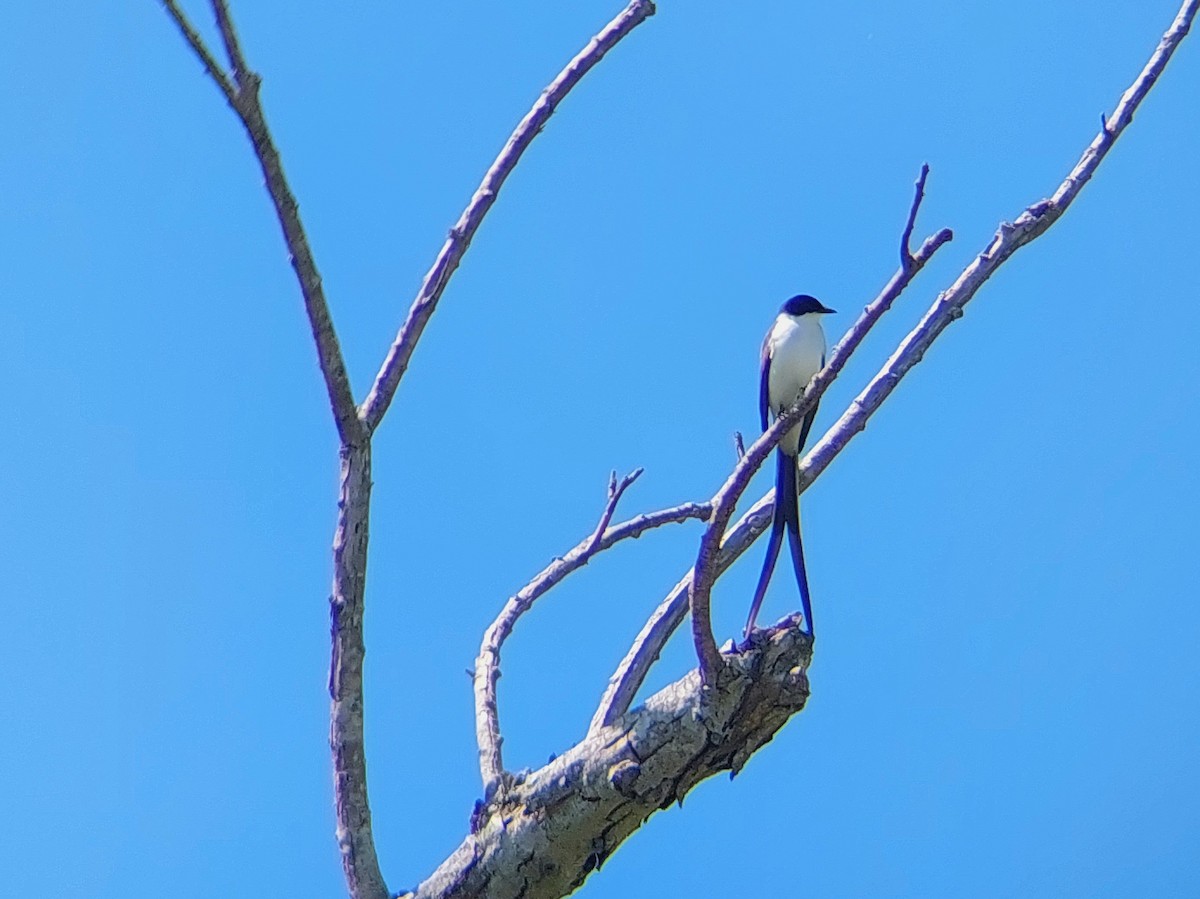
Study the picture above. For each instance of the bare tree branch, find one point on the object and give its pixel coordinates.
(615, 492)
(1030, 224)
(487, 670)
(545, 832)
(351, 537)
(459, 239)
(725, 500)
(544, 837)
(246, 103)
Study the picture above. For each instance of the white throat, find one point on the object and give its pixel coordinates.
(797, 352)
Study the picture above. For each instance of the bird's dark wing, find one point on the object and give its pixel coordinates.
(764, 377)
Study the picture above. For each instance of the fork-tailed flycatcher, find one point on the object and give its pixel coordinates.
(793, 351)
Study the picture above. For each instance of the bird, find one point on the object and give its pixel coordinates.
(792, 352)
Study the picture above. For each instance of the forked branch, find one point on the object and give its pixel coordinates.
(1029, 225)
(487, 665)
(242, 94)
(240, 87)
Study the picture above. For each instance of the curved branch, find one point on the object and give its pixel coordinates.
(628, 678)
(233, 46)
(487, 670)
(459, 239)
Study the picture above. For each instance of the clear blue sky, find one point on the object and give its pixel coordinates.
(1004, 564)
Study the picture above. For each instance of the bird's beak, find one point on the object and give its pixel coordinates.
(827, 310)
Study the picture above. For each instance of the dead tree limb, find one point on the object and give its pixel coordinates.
(725, 500)
(1010, 237)
(487, 664)
(241, 89)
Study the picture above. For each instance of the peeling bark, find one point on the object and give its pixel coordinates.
(541, 839)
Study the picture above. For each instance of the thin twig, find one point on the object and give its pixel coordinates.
(739, 444)
(487, 664)
(211, 66)
(906, 257)
(704, 573)
(459, 239)
(632, 671)
(615, 492)
(233, 47)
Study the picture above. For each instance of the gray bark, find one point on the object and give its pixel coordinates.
(544, 836)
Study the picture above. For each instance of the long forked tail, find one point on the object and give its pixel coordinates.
(785, 485)
(797, 545)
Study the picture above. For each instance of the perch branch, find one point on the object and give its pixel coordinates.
(459, 239)
(1030, 224)
(487, 664)
(542, 838)
(705, 573)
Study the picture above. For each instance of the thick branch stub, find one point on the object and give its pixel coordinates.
(545, 836)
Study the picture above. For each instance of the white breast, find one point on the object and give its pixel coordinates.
(797, 349)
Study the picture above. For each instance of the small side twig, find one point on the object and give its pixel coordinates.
(211, 66)
(461, 235)
(615, 492)
(906, 256)
(739, 445)
(487, 664)
(233, 47)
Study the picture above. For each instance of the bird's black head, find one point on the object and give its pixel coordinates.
(803, 304)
